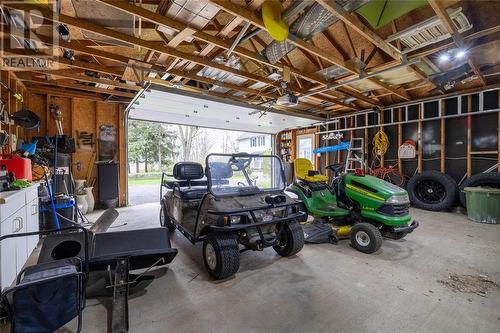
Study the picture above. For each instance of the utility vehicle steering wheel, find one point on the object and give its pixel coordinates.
(239, 163)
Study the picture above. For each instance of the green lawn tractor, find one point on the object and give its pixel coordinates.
(360, 207)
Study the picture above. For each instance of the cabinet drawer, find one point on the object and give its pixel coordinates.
(31, 193)
(13, 251)
(14, 204)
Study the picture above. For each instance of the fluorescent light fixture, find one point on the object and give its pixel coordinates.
(460, 54)
(444, 57)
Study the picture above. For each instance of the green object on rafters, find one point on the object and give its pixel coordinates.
(380, 12)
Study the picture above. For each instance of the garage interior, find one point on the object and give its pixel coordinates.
(377, 211)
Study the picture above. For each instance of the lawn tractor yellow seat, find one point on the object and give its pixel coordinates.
(304, 171)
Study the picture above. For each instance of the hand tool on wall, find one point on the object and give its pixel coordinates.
(16, 95)
(57, 114)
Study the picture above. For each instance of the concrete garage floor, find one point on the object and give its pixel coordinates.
(326, 288)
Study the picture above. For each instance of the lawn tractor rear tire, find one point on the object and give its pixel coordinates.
(432, 190)
(221, 255)
(165, 220)
(366, 238)
(292, 240)
(490, 179)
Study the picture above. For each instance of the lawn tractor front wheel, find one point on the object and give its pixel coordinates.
(291, 240)
(366, 238)
(165, 220)
(221, 255)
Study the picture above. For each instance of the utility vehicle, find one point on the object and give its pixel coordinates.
(360, 206)
(240, 206)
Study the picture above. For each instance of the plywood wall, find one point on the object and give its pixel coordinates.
(84, 116)
(12, 105)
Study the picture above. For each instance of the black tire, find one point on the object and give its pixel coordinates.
(225, 253)
(366, 238)
(432, 190)
(165, 220)
(491, 179)
(291, 240)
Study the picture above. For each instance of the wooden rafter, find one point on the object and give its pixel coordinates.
(85, 78)
(452, 30)
(358, 26)
(91, 27)
(214, 40)
(308, 47)
(79, 87)
(355, 23)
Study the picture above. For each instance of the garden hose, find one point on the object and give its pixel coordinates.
(380, 143)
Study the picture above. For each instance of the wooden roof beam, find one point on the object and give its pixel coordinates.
(452, 30)
(358, 26)
(212, 40)
(88, 26)
(44, 90)
(308, 47)
(79, 87)
(116, 71)
(85, 78)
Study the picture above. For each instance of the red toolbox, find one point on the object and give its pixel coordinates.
(20, 166)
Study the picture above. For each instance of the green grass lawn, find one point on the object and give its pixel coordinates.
(143, 181)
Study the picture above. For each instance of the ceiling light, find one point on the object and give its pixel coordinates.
(444, 57)
(460, 54)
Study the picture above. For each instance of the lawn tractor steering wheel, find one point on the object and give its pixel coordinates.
(240, 163)
(336, 168)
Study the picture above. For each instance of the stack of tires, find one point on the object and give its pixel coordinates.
(436, 191)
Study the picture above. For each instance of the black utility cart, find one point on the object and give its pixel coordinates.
(236, 204)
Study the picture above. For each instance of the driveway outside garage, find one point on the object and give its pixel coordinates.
(139, 194)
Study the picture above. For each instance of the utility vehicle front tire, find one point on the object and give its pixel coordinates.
(221, 255)
(291, 240)
(165, 220)
(366, 238)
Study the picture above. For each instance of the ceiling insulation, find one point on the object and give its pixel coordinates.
(315, 20)
(195, 13)
(102, 14)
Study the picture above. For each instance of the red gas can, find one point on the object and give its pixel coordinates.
(20, 166)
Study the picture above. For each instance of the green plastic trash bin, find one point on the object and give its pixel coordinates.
(483, 204)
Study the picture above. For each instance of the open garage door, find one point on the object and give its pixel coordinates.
(175, 106)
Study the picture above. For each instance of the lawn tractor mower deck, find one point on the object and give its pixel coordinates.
(239, 206)
(359, 206)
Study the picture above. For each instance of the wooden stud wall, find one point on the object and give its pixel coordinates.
(12, 105)
(83, 115)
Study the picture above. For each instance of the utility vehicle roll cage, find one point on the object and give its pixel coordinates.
(211, 182)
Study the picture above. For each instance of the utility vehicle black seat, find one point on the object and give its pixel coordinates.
(187, 172)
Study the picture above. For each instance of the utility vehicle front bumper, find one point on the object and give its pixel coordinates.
(407, 229)
(241, 226)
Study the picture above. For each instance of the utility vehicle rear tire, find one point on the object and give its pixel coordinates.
(221, 255)
(292, 240)
(432, 190)
(366, 238)
(490, 179)
(165, 220)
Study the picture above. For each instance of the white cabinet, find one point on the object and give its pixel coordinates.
(8, 264)
(18, 214)
(32, 223)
